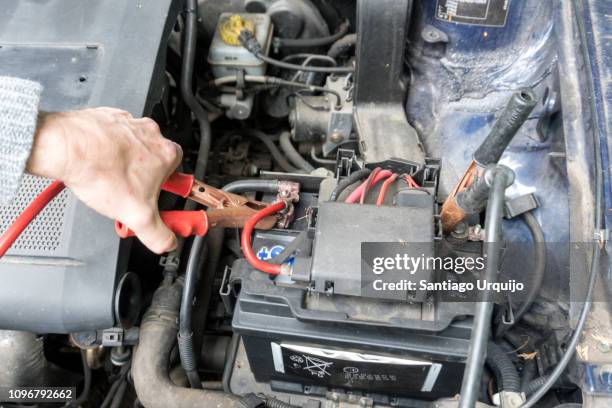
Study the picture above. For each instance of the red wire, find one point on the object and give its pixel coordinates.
(23, 220)
(356, 194)
(383, 190)
(411, 182)
(245, 239)
(368, 184)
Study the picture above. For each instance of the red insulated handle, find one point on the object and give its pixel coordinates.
(182, 223)
(179, 184)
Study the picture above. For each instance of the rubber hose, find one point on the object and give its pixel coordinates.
(244, 186)
(189, 53)
(506, 375)
(312, 42)
(292, 154)
(150, 363)
(185, 335)
(538, 271)
(347, 181)
(342, 45)
(276, 154)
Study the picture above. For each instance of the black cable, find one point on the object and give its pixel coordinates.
(118, 398)
(228, 368)
(529, 372)
(278, 157)
(347, 181)
(248, 41)
(189, 53)
(292, 154)
(502, 177)
(86, 382)
(185, 334)
(312, 42)
(503, 369)
(112, 391)
(539, 269)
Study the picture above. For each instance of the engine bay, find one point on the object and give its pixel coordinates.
(394, 201)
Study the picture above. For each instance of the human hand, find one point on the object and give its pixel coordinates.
(113, 163)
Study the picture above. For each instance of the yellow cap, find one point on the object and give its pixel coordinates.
(230, 28)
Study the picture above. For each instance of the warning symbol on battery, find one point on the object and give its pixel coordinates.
(317, 367)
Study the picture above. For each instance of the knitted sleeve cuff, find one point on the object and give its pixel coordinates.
(19, 99)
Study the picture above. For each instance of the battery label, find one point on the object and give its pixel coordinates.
(491, 13)
(349, 369)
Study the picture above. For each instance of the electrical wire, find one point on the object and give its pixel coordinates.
(86, 383)
(383, 190)
(343, 184)
(539, 270)
(185, 335)
(245, 240)
(312, 42)
(410, 181)
(25, 218)
(356, 194)
(368, 184)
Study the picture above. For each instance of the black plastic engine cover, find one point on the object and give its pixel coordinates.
(60, 276)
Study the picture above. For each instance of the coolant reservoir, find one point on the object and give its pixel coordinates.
(227, 56)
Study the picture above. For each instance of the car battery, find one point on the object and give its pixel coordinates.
(298, 340)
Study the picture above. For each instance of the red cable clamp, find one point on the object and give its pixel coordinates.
(183, 223)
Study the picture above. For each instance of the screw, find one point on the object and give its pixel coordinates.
(336, 137)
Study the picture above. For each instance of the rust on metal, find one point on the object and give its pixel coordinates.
(451, 214)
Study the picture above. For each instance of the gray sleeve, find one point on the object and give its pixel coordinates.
(19, 100)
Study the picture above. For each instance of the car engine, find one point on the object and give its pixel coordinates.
(393, 204)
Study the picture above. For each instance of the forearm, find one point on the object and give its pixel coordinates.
(19, 101)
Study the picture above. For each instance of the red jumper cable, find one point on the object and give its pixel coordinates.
(25, 218)
(225, 210)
